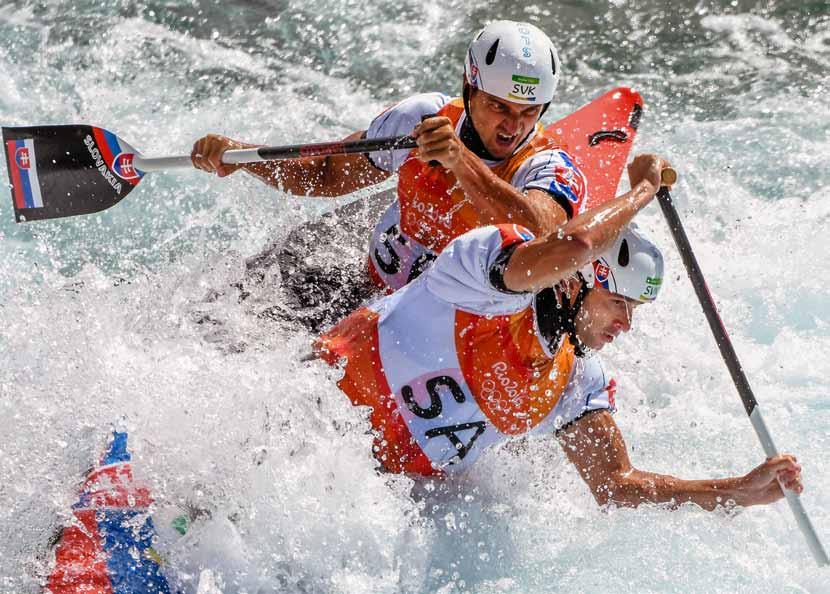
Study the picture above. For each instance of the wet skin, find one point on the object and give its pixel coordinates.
(502, 125)
(604, 316)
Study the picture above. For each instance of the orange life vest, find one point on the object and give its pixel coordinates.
(434, 209)
(446, 380)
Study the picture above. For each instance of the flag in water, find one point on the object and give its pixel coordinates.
(109, 547)
(23, 173)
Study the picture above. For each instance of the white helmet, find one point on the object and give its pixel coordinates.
(633, 267)
(514, 61)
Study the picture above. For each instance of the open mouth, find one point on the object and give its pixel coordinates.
(505, 139)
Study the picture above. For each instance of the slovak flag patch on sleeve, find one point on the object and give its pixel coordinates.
(23, 173)
(568, 181)
(511, 234)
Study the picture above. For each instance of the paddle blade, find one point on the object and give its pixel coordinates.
(63, 171)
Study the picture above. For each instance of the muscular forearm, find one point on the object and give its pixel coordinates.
(332, 175)
(595, 446)
(499, 202)
(305, 177)
(599, 227)
(638, 487)
(545, 262)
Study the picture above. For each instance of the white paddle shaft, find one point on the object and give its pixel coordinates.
(183, 162)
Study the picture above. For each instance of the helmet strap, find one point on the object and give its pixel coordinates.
(580, 350)
(556, 316)
(468, 133)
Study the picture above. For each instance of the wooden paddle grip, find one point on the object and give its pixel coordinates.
(668, 177)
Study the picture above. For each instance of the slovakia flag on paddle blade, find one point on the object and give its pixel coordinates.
(23, 173)
(108, 548)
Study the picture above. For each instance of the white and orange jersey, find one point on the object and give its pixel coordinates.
(452, 365)
(431, 209)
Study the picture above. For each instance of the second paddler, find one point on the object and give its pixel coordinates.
(492, 161)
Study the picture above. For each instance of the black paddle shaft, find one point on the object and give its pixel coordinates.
(363, 145)
(727, 351)
(735, 369)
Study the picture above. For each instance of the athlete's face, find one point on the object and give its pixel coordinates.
(603, 316)
(502, 125)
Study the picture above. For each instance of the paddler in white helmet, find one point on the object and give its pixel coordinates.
(498, 339)
(482, 158)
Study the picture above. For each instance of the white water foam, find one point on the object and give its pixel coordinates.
(129, 318)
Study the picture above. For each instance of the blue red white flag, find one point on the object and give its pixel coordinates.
(23, 173)
(568, 181)
(109, 547)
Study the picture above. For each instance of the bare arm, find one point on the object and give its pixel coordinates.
(499, 202)
(495, 199)
(547, 260)
(595, 446)
(334, 175)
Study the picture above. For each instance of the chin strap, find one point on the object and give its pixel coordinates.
(569, 325)
(468, 133)
(556, 315)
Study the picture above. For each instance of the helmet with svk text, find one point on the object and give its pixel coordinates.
(632, 267)
(514, 61)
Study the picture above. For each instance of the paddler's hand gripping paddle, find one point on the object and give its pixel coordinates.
(668, 178)
(63, 171)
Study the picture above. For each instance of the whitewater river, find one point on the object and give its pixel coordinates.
(129, 318)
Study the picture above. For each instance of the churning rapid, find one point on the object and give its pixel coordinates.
(133, 318)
